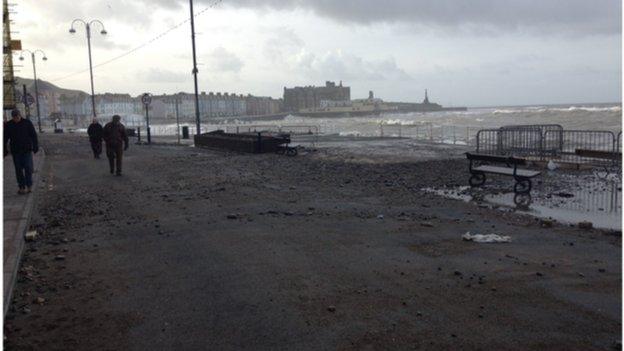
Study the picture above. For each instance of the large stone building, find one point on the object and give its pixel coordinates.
(311, 97)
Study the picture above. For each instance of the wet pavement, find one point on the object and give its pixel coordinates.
(201, 249)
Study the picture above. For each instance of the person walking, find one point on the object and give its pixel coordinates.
(22, 138)
(95, 132)
(116, 143)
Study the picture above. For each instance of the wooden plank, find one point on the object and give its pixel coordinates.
(493, 158)
(605, 155)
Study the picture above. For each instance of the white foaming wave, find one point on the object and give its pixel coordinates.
(590, 109)
(353, 133)
(540, 109)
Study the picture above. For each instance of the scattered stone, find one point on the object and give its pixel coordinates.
(40, 300)
(232, 216)
(59, 257)
(539, 274)
(601, 270)
(31, 235)
(419, 314)
(563, 194)
(331, 308)
(581, 275)
(288, 213)
(426, 224)
(546, 223)
(585, 225)
(380, 216)
(457, 273)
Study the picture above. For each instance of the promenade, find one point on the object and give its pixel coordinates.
(17, 215)
(207, 250)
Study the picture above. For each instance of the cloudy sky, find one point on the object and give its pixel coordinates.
(473, 53)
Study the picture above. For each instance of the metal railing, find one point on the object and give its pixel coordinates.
(291, 129)
(592, 140)
(549, 142)
(428, 132)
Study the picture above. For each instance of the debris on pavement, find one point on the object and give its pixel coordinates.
(31, 235)
(486, 238)
(585, 225)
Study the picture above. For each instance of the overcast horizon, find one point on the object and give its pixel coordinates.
(482, 53)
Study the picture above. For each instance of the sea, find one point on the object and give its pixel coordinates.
(445, 126)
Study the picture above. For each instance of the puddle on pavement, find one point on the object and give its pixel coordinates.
(596, 201)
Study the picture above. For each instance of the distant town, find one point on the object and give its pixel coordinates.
(329, 100)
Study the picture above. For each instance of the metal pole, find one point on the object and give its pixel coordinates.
(177, 118)
(26, 107)
(197, 122)
(91, 68)
(32, 55)
(149, 136)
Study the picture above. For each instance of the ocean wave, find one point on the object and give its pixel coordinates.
(352, 133)
(535, 109)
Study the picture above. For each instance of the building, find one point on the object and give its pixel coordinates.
(108, 104)
(310, 97)
(262, 105)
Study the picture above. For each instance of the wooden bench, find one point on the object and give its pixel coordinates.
(521, 176)
(611, 161)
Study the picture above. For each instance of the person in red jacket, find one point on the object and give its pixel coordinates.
(116, 142)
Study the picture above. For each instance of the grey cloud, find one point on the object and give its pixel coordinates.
(159, 75)
(550, 17)
(337, 65)
(220, 60)
(282, 41)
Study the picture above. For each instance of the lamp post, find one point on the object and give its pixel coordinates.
(88, 26)
(197, 121)
(32, 57)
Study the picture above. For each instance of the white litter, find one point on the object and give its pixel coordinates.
(486, 238)
(30, 235)
(552, 166)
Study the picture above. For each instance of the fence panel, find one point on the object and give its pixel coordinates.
(591, 140)
(487, 141)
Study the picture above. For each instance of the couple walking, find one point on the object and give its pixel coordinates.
(114, 135)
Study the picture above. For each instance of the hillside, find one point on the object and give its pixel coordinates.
(45, 86)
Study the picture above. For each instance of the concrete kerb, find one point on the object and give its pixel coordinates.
(13, 255)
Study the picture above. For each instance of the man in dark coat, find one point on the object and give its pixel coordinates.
(22, 138)
(95, 132)
(116, 142)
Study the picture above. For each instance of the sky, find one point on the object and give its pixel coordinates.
(466, 53)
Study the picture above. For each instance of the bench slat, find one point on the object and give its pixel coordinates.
(606, 155)
(494, 158)
(506, 171)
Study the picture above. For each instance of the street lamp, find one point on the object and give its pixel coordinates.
(88, 26)
(32, 57)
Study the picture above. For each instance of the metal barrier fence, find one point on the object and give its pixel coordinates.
(592, 140)
(429, 132)
(545, 142)
(291, 129)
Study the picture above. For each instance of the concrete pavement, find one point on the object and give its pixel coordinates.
(17, 213)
